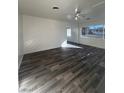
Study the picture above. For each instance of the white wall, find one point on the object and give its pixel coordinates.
(20, 38)
(42, 34)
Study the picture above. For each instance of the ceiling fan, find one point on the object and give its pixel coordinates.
(82, 14)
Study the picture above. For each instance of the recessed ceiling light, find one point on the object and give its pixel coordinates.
(55, 7)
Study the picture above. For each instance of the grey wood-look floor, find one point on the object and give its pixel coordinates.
(63, 70)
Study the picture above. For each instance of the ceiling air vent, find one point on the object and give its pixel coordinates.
(55, 7)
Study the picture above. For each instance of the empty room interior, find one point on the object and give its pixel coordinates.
(61, 46)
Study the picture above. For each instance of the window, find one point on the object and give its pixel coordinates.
(68, 32)
(94, 31)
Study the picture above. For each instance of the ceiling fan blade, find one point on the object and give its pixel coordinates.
(76, 10)
(100, 3)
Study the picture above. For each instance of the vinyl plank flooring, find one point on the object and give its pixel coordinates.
(63, 70)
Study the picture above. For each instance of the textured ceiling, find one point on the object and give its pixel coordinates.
(43, 8)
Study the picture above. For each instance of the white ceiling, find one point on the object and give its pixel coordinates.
(43, 8)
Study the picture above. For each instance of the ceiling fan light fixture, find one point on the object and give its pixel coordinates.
(76, 9)
(77, 15)
(76, 18)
